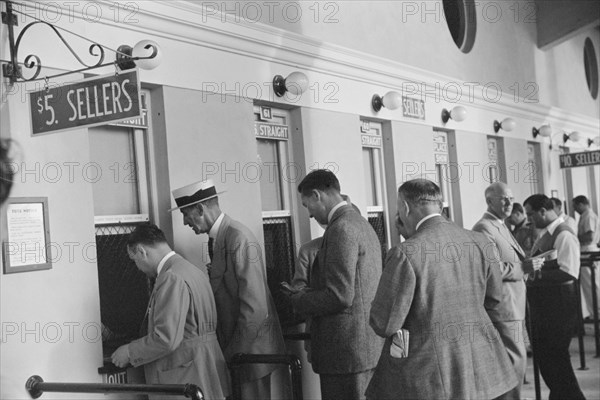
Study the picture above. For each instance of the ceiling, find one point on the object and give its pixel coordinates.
(560, 20)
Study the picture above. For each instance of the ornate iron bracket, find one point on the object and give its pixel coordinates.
(14, 72)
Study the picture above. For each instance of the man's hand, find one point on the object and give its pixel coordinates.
(530, 265)
(121, 356)
(287, 289)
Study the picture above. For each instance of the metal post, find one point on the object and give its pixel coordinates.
(580, 328)
(536, 369)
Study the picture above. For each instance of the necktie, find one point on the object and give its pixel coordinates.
(210, 248)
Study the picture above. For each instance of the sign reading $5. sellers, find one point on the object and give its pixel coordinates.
(91, 102)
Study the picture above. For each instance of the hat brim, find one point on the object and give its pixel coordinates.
(195, 202)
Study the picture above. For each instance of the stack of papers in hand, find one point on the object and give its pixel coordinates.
(399, 347)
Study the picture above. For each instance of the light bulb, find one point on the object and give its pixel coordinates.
(147, 48)
(392, 100)
(296, 83)
(458, 113)
(508, 124)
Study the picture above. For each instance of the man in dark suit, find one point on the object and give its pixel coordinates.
(342, 286)
(440, 286)
(247, 318)
(181, 345)
(552, 295)
(509, 318)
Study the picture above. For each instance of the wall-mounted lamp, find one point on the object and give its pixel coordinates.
(544, 131)
(392, 100)
(595, 141)
(295, 83)
(458, 113)
(573, 136)
(507, 124)
(145, 54)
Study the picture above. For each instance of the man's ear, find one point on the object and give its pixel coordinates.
(317, 194)
(407, 207)
(141, 250)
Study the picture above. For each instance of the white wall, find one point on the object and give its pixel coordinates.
(51, 319)
(472, 159)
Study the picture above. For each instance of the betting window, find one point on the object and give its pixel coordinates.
(121, 175)
(534, 175)
(374, 181)
(277, 174)
(443, 171)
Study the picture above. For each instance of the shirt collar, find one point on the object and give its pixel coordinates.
(495, 217)
(426, 218)
(215, 228)
(162, 262)
(550, 228)
(334, 209)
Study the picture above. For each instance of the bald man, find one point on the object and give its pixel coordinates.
(510, 316)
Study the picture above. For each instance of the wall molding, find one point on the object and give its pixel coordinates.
(190, 23)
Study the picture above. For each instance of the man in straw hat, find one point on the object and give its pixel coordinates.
(247, 319)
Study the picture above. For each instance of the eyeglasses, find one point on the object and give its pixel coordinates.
(505, 198)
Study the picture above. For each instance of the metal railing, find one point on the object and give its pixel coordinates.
(240, 359)
(36, 386)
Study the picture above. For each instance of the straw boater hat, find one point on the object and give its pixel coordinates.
(194, 193)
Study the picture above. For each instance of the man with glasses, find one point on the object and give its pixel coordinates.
(510, 315)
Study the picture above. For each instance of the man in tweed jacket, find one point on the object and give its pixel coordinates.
(342, 287)
(439, 285)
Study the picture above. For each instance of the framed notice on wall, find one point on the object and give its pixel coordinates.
(26, 235)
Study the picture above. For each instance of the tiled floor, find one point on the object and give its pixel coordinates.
(589, 380)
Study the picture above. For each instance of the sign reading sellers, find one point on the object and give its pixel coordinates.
(94, 101)
(584, 159)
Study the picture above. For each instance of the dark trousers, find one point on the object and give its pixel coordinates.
(554, 320)
(345, 386)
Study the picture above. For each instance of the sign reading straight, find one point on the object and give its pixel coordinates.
(94, 101)
(584, 159)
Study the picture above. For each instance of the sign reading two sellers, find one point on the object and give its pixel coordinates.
(580, 159)
(90, 102)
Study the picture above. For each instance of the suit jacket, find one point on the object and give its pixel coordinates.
(512, 307)
(247, 318)
(440, 285)
(343, 285)
(181, 345)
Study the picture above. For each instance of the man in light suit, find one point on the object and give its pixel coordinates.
(440, 285)
(181, 345)
(247, 318)
(342, 286)
(509, 318)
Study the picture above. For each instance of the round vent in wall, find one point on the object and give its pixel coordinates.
(590, 61)
(462, 22)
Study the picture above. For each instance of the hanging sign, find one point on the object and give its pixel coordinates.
(91, 102)
(572, 160)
